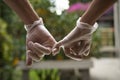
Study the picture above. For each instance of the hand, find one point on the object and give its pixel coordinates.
(39, 42)
(77, 43)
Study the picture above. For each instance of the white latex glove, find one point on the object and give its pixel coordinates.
(39, 41)
(77, 43)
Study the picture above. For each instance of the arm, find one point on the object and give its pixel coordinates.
(39, 41)
(95, 10)
(23, 9)
(77, 43)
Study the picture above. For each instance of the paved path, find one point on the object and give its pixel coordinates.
(106, 69)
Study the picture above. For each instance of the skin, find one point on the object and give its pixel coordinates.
(96, 9)
(39, 41)
(23, 9)
(46, 42)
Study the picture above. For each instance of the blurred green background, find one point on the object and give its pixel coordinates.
(12, 38)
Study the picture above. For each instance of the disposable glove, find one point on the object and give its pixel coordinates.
(39, 41)
(77, 43)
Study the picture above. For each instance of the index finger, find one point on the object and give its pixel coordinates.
(43, 49)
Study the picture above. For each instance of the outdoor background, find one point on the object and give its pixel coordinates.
(59, 19)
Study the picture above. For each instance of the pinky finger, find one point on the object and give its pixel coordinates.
(56, 48)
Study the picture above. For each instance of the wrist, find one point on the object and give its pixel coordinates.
(89, 21)
(29, 27)
(80, 24)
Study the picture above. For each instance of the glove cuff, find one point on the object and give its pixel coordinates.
(86, 25)
(29, 27)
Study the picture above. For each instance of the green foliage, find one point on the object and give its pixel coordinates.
(12, 36)
(44, 74)
(59, 26)
(5, 44)
(12, 41)
(33, 75)
(96, 44)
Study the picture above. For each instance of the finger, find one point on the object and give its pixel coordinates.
(72, 52)
(56, 48)
(31, 46)
(82, 47)
(35, 50)
(75, 57)
(28, 59)
(42, 49)
(66, 50)
(61, 43)
(85, 47)
(77, 47)
(34, 56)
(69, 53)
(55, 51)
(87, 52)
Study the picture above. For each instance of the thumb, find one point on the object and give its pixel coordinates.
(28, 58)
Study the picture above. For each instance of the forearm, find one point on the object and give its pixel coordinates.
(23, 9)
(95, 10)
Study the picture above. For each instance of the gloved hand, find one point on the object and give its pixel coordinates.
(77, 43)
(39, 41)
